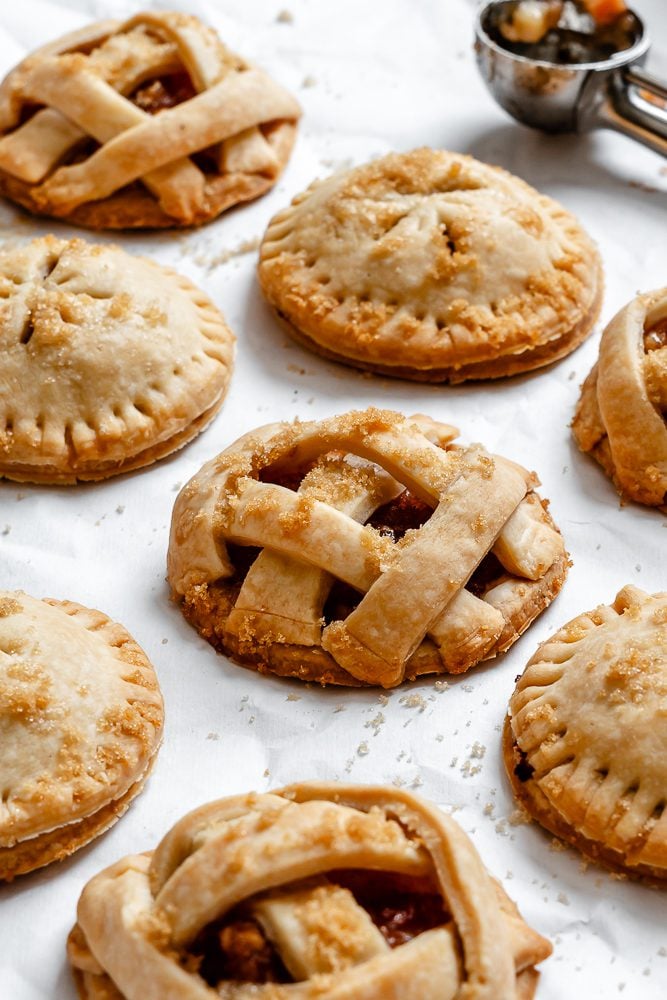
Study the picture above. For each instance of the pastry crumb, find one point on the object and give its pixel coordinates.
(285, 17)
(375, 723)
(413, 701)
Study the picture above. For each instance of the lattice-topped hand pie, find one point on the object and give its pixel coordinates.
(430, 265)
(316, 891)
(621, 417)
(388, 552)
(107, 362)
(80, 724)
(586, 739)
(148, 122)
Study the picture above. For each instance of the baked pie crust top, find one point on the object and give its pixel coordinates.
(586, 742)
(406, 609)
(256, 896)
(80, 722)
(621, 417)
(432, 264)
(108, 361)
(147, 122)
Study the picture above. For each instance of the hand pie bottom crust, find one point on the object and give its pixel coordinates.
(504, 366)
(50, 475)
(58, 844)
(528, 794)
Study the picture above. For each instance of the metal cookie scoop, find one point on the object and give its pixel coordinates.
(613, 93)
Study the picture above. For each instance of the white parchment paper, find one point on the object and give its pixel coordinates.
(372, 75)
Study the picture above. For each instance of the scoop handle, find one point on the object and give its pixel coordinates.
(636, 105)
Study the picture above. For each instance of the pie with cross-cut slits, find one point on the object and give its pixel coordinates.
(362, 549)
(143, 123)
(433, 266)
(108, 362)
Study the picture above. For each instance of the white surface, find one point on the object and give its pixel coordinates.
(372, 76)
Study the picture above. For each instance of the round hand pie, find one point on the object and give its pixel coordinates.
(80, 725)
(388, 552)
(328, 892)
(586, 738)
(107, 362)
(622, 412)
(149, 122)
(430, 265)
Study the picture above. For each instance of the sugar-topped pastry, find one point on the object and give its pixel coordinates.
(141, 123)
(621, 417)
(319, 892)
(108, 362)
(586, 737)
(80, 725)
(433, 266)
(362, 549)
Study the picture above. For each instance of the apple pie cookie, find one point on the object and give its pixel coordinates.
(621, 417)
(586, 739)
(80, 725)
(316, 891)
(362, 549)
(108, 362)
(432, 266)
(143, 123)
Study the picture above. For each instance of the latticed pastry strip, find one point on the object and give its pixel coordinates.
(409, 609)
(118, 103)
(586, 741)
(621, 415)
(263, 896)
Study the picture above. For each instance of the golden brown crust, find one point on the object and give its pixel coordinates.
(81, 723)
(584, 743)
(621, 416)
(515, 364)
(386, 506)
(207, 608)
(401, 267)
(56, 845)
(149, 123)
(278, 862)
(109, 362)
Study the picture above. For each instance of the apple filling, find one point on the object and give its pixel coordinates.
(238, 948)
(564, 31)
